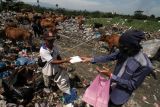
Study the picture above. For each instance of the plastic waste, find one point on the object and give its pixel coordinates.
(151, 47)
(70, 98)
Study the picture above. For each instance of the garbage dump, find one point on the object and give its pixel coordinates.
(21, 80)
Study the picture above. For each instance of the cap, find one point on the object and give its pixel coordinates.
(48, 36)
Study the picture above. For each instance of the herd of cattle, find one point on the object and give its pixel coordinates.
(37, 23)
(25, 26)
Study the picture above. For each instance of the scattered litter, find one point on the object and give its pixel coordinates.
(82, 39)
(155, 98)
(151, 47)
(145, 100)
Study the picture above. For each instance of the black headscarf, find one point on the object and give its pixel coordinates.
(129, 42)
(132, 37)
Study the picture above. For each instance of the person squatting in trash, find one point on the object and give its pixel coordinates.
(131, 68)
(49, 53)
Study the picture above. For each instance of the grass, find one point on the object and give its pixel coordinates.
(149, 25)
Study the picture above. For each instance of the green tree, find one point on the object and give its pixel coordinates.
(139, 15)
(9, 4)
(152, 16)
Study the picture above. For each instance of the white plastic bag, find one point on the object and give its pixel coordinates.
(151, 47)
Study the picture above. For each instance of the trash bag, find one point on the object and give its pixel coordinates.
(70, 98)
(157, 55)
(151, 47)
(2, 65)
(24, 61)
(97, 25)
(5, 74)
(38, 85)
(20, 95)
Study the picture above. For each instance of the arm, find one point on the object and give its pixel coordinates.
(59, 61)
(59, 57)
(46, 55)
(105, 58)
(136, 80)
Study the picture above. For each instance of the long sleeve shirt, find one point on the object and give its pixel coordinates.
(134, 73)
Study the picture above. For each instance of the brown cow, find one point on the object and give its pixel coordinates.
(30, 16)
(61, 18)
(80, 21)
(15, 34)
(47, 22)
(20, 17)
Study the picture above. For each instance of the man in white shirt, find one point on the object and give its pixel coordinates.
(49, 53)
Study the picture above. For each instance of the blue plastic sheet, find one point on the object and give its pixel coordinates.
(5, 74)
(70, 98)
(2, 65)
(24, 61)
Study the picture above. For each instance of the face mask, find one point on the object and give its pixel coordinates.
(122, 49)
(50, 43)
(129, 50)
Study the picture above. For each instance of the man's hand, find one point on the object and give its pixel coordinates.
(105, 72)
(67, 60)
(86, 59)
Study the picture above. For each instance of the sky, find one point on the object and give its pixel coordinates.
(119, 6)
